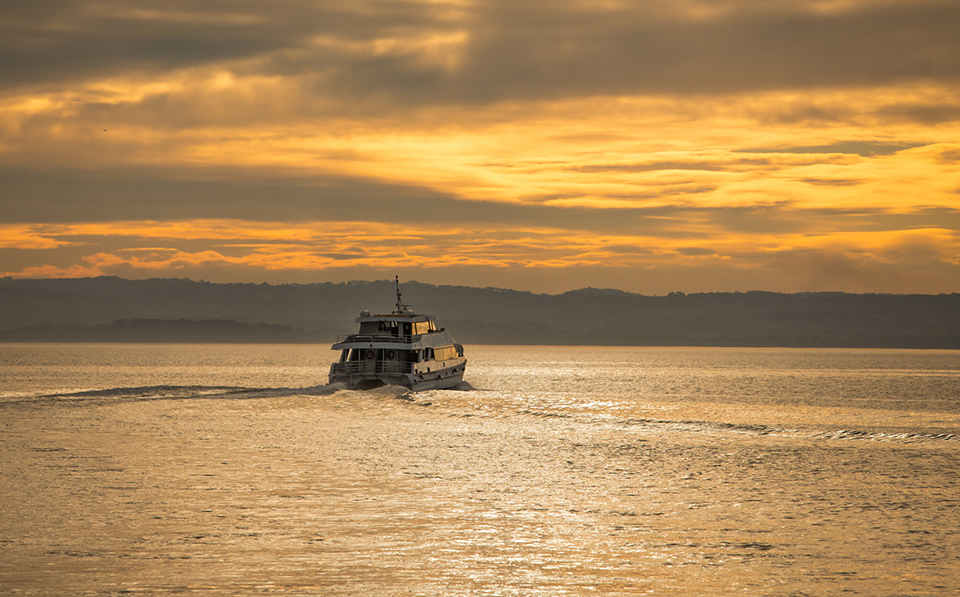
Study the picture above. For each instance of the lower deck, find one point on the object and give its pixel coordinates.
(416, 376)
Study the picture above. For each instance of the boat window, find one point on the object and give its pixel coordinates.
(423, 327)
(443, 353)
(388, 327)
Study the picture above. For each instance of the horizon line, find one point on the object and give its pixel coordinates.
(676, 293)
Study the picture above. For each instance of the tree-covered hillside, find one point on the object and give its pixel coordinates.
(114, 309)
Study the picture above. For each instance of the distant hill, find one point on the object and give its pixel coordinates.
(163, 330)
(177, 310)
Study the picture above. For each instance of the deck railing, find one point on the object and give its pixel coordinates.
(375, 338)
(372, 367)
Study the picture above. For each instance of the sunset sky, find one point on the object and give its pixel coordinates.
(544, 145)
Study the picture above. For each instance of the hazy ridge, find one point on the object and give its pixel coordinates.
(109, 309)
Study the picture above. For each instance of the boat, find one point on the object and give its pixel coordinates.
(401, 348)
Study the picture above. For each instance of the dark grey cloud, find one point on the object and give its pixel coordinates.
(649, 167)
(775, 218)
(67, 196)
(950, 156)
(70, 196)
(515, 50)
(833, 182)
(861, 148)
(926, 114)
(533, 50)
(923, 217)
(57, 42)
(696, 251)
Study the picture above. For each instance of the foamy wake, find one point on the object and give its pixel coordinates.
(758, 429)
(174, 392)
(854, 434)
(171, 392)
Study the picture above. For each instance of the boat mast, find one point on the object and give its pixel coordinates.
(401, 308)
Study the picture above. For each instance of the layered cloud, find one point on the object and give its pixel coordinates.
(438, 53)
(651, 146)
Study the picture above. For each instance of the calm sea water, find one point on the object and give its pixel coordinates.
(234, 470)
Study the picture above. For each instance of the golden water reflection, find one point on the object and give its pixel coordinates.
(358, 493)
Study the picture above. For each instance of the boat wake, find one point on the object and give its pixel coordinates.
(464, 386)
(199, 392)
(434, 398)
(172, 392)
(694, 427)
(854, 434)
(757, 429)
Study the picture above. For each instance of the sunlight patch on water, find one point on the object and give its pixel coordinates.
(651, 474)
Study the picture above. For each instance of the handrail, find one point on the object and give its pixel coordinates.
(371, 367)
(376, 338)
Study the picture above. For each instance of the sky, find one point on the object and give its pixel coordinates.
(544, 145)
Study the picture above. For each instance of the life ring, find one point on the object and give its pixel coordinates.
(391, 354)
(371, 355)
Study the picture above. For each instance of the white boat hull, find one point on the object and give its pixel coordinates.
(443, 379)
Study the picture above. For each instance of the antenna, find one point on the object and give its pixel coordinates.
(401, 308)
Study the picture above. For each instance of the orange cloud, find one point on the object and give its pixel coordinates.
(30, 237)
(324, 246)
(452, 134)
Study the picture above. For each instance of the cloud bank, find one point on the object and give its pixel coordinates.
(649, 145)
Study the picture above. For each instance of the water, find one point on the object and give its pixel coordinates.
(233, 470)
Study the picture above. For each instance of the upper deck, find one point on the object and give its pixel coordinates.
(403, 328)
